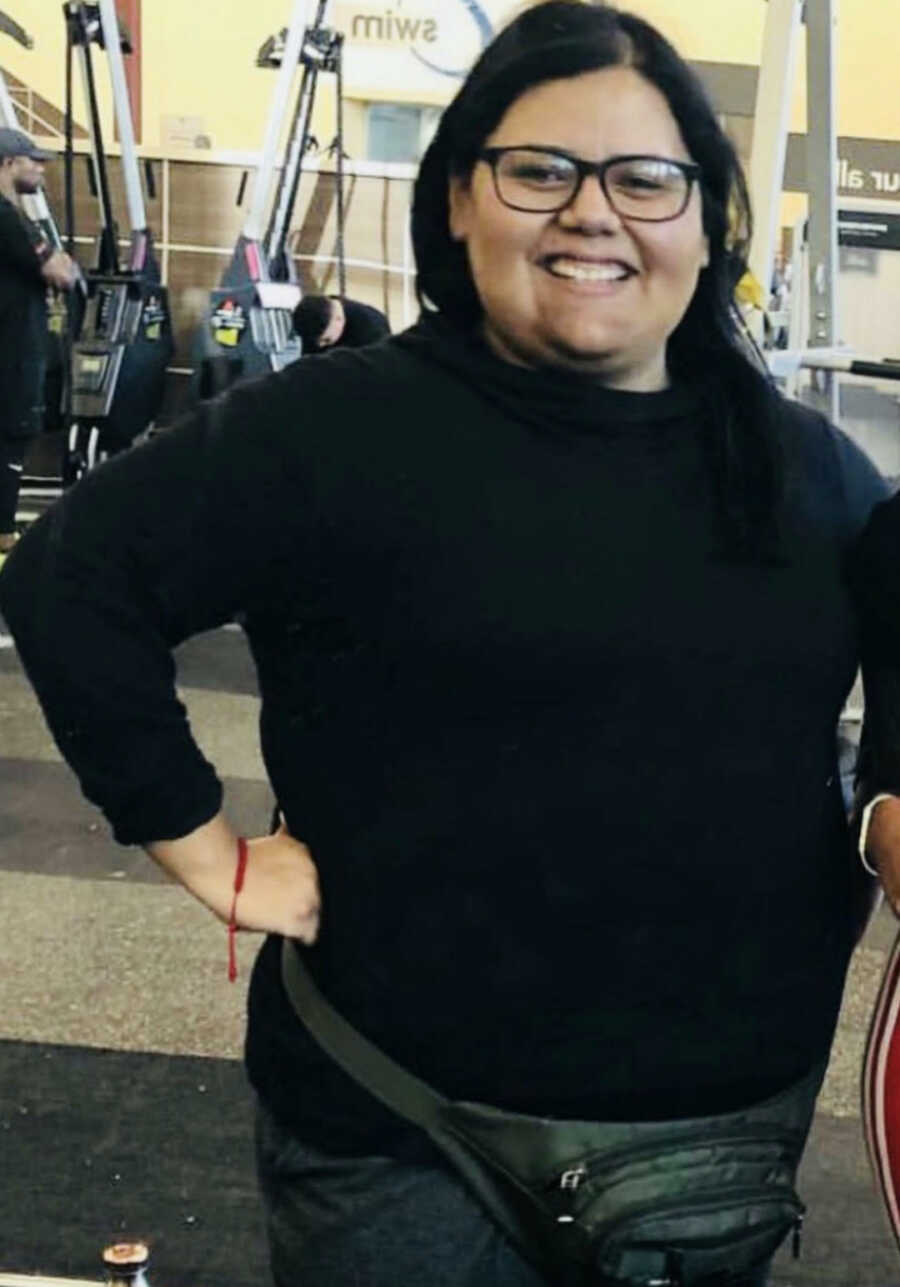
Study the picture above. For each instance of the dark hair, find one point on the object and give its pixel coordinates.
(709, 348)
(311, 317)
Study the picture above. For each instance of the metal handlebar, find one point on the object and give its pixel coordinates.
(787, 362)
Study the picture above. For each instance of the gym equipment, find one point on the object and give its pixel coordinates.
(821, 262)
(772, 122)
(248, 330)
(119, 359)
(868, 268)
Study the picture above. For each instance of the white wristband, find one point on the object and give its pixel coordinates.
(864, 827)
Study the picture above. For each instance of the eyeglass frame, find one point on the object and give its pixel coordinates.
(692, 172)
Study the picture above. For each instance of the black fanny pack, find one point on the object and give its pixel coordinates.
(645, 1204)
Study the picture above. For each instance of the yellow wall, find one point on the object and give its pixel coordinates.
(199, 59)
(868, 40)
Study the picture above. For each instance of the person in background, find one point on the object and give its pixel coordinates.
(326, 322)
(548, 606)
(29, 264)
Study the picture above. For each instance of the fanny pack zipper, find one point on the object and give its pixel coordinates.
(571, 1179)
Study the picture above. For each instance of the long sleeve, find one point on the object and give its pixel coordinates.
(21, 250)
(164, 541)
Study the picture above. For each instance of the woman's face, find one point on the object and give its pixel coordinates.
(583, 288)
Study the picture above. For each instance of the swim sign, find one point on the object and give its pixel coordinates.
(439, 36)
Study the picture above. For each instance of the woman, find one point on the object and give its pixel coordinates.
(547, 607)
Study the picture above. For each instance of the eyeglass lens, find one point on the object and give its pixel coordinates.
(646, 188)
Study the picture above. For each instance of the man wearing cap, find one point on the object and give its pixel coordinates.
(29, 263)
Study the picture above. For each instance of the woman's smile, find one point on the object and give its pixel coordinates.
(585, 271)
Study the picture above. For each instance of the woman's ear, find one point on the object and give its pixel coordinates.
(459, 207)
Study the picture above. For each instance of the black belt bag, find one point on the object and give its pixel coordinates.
(647, 1204)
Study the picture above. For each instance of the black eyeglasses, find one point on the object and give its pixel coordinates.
(650, 189)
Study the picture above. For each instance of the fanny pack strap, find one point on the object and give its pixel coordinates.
(351, 1051)
(420, 1104)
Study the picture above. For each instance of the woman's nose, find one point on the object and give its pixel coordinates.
(591, 207)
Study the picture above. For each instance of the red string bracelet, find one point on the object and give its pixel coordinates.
(232, 920)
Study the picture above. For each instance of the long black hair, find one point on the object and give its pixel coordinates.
(709, 347)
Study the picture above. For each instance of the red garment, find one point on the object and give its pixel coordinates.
(881, 1091)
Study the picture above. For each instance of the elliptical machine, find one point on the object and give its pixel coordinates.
(119, 359)
(249, 330)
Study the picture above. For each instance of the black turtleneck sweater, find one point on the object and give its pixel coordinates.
(569, 780)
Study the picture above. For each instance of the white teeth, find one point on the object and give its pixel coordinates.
(582, 272)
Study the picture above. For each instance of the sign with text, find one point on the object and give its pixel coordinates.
(409, 25)
(869, 229)
(185, 132)
(866, 167)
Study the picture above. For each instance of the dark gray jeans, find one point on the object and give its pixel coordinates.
(378, 1222)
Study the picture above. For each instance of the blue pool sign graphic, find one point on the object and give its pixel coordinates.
(485, 29)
